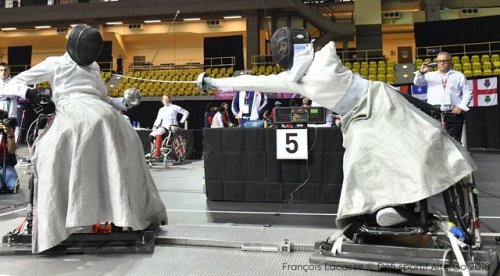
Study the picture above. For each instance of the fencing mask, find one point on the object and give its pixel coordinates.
(84, 44)
(284, 44)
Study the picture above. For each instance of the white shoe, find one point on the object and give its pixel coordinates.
(389, 217)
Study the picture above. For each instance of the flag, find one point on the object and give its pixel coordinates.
(419, 92)
(484, 92)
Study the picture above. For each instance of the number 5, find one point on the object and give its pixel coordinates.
(289, 140)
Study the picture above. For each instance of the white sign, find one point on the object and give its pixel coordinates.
(291, 144)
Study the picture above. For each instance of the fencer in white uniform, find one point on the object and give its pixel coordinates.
(167, 116)
(89, 162)
(395, 153)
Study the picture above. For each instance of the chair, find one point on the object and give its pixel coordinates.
(381, 64)
(372, 71)
(495, 57)
(466, 67)
(372, 64)
(457, 67)
(496, 72)
(364, 71)
(381, 78)
(485, 58)
(348, 64)
(455, 59)
(372, 77)
(418, 63)
(477, 73)
(390, 78)
(467, 73)
(487, 65)
(475, 59)
(356, 65)
(476, 66)
(464, 59)
(487, 72)
(364, 65)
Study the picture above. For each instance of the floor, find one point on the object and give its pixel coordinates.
(193, 219)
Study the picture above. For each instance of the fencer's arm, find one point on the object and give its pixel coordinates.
(271, 83)
(185, 114)
(18, 85)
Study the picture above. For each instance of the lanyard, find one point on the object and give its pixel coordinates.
(444, 81)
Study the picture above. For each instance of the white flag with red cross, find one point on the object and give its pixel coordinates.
(484, 92)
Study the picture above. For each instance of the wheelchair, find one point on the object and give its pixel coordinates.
(461, 209)
(173, 149)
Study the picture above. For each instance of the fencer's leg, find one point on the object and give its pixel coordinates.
(159, 139)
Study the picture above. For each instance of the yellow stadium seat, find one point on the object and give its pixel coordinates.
(356, 65)
(496, 71)
(487, 72)
(381, 64)
(476, 66)
(466, 67)
(381, 78)
(372, 64)
(364, 64)
(372, 77)
(455, 59)
(475, 59)
(390, 78)
(487, 65)
(464, 59)
(496, 64)
(372, 71)
(381, 70)
(468, 73)
(418, 63)
(348, 64)
(364, 71)
(390, 63)
(485, 58)
(457, 67)
(495, 57)
(477, 73)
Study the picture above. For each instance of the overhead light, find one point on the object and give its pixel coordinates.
(114, 23)
(192, 19)
(73, 25)
(152, 21)
(9, 29)
(43, 27)
(232, 17)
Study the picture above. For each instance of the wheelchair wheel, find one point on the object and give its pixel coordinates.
(179, 147)
(461, 206)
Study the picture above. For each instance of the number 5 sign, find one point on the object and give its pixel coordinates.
(291, 144)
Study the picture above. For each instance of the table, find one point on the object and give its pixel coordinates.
(241, 165)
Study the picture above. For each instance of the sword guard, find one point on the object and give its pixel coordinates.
(200, 83)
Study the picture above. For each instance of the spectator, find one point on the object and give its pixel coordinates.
(221, 118)
(119, 65)
(306, 102)
(447, 89)
(8, 174)
(248, 105)
(167, 116)
(210, 111)
(8, 103)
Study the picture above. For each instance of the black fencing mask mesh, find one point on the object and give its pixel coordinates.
(84, 44)
(282, 45)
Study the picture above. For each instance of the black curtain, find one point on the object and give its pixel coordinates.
(105, 60)
(459, 31)
(225, 46)
(19, 58)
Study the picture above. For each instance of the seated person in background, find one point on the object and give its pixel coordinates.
(167, 116)
(306, 102)
(248, 105)
(210, 111)
(270, 114)
(7, 155)
(221, 118)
